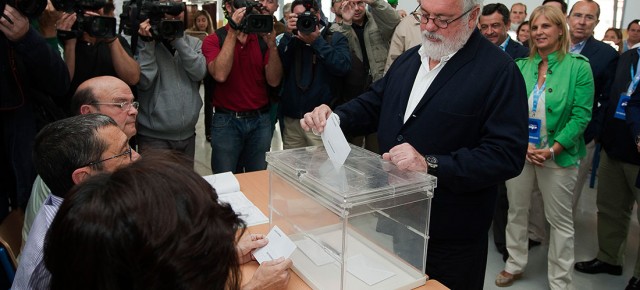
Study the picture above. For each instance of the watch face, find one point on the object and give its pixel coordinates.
(432, 160)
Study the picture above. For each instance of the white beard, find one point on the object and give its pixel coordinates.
(437, 50)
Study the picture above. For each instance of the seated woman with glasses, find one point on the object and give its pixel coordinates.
(155, 224)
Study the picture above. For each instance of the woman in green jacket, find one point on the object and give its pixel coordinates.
(560, 87)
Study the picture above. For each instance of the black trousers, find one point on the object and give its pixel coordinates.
(458, 265)
(500, 217)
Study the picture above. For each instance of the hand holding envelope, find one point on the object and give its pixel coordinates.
(322, 121)
(272, 273)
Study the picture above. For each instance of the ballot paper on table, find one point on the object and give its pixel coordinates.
(279, 246)
(228, 190)
(334, 141)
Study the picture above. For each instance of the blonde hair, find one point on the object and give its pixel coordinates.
(556, 17)
(206, 15)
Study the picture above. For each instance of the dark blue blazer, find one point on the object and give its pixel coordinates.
(516, 50)
(617, 136)
(627, 60)
(473, 118)
(603, 60)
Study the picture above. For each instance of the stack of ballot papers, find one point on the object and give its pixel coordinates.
(228, 190)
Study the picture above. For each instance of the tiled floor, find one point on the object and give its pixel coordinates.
(535, 277)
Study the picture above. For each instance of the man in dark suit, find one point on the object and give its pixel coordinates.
(494, 24)
(582, 19)
(619, 166)
(457, 106)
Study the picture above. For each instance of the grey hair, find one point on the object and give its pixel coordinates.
(66, 145)
(467, 4)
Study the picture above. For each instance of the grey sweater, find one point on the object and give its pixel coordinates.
(168, 90)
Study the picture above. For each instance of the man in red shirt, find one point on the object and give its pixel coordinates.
(241, 131)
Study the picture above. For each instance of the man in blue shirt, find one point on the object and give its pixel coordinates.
(312, 63)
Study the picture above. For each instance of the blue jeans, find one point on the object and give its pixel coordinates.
(239, 144)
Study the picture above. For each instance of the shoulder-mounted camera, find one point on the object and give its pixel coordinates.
(96, 26)
(253, 21)
(135, 12)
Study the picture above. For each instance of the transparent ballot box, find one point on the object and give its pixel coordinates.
(364, 225)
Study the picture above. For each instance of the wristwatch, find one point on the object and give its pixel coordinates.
(432, 164)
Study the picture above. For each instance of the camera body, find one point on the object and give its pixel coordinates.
(163, 28)
(29, 8)
(253, 21)
(308, 20)
(155, 11)
(96, 26)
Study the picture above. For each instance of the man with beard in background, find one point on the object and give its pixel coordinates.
(456, 107)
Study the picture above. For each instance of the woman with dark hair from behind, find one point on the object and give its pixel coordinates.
(153, 225)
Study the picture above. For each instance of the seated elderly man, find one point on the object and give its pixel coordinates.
(105, 95)
(66, 152)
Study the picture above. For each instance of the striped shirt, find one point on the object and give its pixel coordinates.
(31, 259)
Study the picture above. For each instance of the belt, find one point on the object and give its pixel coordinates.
(242, 115)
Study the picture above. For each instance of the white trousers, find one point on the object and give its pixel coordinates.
(556, 186)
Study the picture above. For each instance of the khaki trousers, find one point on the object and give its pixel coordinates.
(293, 136)
(556, 185)
(583, 172)
(616, 195)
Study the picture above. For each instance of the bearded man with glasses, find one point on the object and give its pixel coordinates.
(455, 107)
(66, 153)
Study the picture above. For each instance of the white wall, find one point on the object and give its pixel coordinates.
(631, 12)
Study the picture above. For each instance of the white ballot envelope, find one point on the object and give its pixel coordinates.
(334, 141)
(279, 246)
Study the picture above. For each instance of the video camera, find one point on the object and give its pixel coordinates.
(308, 20)
(96, 26)
(253, 21)
(155, 11)
(29, 8)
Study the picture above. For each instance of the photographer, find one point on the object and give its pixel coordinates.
(88, 56)
(241, 131)
(33, 77)
(172, 67)
(312, 62)
(368, 25)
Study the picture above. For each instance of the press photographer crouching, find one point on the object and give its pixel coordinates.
(91, 46)
(172, 67)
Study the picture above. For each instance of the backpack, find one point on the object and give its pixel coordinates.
(272, 92)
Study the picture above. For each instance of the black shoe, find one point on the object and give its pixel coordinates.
(533, 243)
(634, 284)
(596, 266)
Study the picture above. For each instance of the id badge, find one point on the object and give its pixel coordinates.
(534, 130)
(620, 109)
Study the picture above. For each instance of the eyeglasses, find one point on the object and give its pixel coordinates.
(127, 152)
(125, 106)
(440, 23)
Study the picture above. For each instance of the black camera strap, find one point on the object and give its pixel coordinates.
(135, 26)
(304, 66)
(233, 24)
